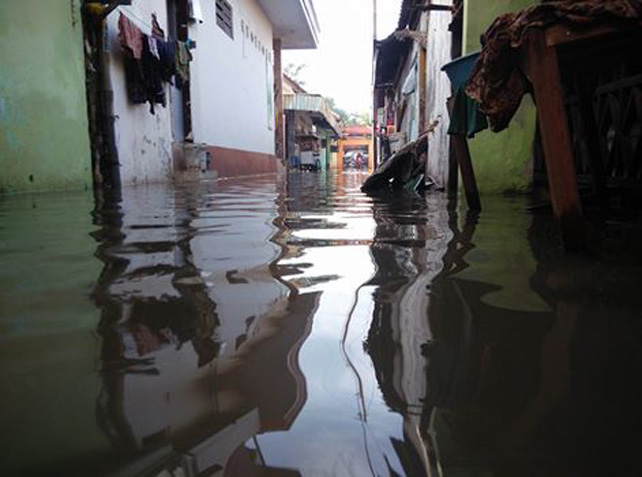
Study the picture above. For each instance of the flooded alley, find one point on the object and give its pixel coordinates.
(295, 326)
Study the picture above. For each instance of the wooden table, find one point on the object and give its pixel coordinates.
(540, 64)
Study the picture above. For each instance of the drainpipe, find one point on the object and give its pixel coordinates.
(109, 164)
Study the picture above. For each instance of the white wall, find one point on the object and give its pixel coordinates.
(230, 80)
(438, 91)
(144, 141)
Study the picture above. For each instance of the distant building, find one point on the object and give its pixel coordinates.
(355, 146)
(311, 127)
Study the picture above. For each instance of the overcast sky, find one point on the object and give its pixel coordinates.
(341, 67)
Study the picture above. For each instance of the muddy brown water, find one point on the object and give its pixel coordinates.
(268, 326)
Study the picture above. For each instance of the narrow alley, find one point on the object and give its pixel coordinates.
(320, 238)
(301, 328)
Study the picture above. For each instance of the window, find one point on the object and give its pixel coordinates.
(224, 17)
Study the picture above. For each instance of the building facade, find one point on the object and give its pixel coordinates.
(311, 127)
(44, 141)
(411, 94)
(87, 114)
(224, 122)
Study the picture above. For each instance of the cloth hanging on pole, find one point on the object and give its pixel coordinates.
(497, 82)
(466, 119)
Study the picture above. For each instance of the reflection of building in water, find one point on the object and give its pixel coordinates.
(512, 389)
(200, 346)
(407, 251)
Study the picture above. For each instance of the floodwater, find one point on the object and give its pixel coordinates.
(272, 327)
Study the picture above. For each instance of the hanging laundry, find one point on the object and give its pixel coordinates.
(153, 47)
(136, 89)
(152, 76)
(157, 31)
(183, 58)
(167, 52)
(130, 36)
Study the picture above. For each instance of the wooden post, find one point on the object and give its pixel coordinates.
(543, 70)
(421, 85)
(460, 145)
(279, 129)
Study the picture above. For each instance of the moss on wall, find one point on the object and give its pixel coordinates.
(44, 141)
(502, 161)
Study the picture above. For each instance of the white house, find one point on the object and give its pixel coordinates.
(228, 119)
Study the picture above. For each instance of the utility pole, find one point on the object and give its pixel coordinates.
(375, 147)
(374, 20)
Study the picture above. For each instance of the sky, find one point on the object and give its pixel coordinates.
(341, 67)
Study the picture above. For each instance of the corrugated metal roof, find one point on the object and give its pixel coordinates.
(312, 103)
(391, 52)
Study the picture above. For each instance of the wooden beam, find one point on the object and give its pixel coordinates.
(543, 70)
(561, 34)
(435, 8)
(421, 84)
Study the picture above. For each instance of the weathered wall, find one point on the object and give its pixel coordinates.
(44, 139)
(503, 161)
(409, 121)
(144, 141)
(438, 91)
(232, 80)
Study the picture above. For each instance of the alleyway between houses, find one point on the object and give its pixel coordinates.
(299, 327)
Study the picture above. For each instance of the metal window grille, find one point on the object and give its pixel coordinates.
(224, 17)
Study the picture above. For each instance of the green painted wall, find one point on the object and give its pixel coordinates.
(44, 140)
(503, 161)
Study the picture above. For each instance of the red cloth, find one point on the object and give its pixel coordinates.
(497, 82)
(131, 38)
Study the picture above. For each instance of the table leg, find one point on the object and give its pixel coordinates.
(543, 69)
(460, 144)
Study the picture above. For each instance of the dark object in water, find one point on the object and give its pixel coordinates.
(405, 169)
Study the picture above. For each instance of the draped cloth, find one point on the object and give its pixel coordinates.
(497, 82)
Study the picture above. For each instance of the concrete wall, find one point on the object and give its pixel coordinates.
(144, 141)
(232, 80)
(44, 140)
(503, 162)
(438, 91)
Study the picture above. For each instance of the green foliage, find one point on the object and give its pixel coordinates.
(349, 118)
(294, 72)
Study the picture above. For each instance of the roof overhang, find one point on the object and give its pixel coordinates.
(294, 22)
(389, 57)
(316, 106)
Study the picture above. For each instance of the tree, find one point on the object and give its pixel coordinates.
(350, 119)
(294, 72)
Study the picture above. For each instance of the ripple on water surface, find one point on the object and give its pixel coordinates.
(267, 326)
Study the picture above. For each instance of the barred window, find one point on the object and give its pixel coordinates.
(224, 18)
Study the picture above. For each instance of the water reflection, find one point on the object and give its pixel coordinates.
(199, 336)
(265, 327)
(525, 370)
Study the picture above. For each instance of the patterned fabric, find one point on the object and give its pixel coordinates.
(130, 36)
(497, 82)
